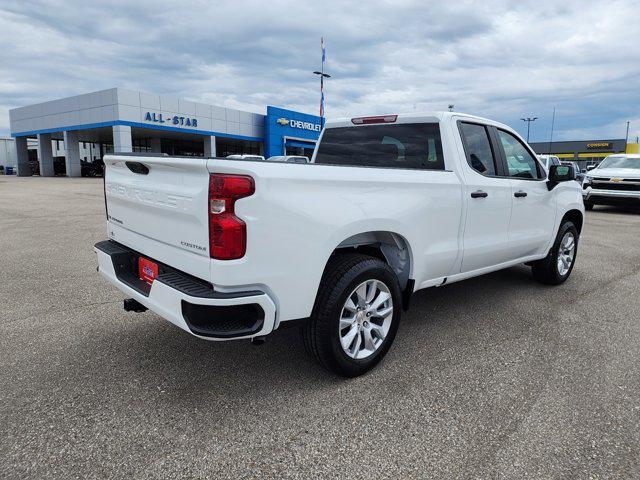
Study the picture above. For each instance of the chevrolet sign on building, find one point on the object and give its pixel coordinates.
(314, 127)
(290, 133)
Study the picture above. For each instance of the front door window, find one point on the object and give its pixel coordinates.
(520, 162)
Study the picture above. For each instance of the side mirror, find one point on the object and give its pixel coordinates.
(590, 167)
(560, 173)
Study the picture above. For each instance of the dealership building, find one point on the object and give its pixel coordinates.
(588, 152)
(85, 127)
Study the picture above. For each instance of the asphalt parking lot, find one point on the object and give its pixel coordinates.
(495, 377)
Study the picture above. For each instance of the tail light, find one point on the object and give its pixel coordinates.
(227, 233)
(378, 119)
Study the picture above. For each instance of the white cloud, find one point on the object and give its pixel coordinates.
(489, 58)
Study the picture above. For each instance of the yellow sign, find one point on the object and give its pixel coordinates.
(599, 145)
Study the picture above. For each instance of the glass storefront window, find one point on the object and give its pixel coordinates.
(141, 145)
(187, 148)
(299, 151)
(229, 146)
(195, 148)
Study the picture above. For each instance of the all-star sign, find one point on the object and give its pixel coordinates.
(175, 120)
(313, 127)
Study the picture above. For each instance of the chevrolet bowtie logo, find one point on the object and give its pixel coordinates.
(283, 121)
(616, 180)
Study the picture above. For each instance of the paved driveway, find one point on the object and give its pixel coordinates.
(495, 377)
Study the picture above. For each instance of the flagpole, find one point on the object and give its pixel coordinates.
(322, 99)
(322, 77)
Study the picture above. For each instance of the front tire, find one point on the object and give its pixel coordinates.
(556, 267)
(356, 314)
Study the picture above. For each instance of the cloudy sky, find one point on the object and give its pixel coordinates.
(503, 60)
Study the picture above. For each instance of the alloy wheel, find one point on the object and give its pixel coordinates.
(365, 319)
(566, 253)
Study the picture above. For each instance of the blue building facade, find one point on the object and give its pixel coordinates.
(290, 132)
(78, 130)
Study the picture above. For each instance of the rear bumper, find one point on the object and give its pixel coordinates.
(610, 197)
(187, 302)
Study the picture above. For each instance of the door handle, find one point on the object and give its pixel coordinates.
(479, 194)
(520, 194)
(137, 167)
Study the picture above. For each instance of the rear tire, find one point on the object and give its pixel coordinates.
(556, 267)
(348, 332)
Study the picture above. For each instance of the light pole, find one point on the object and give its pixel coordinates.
(322, 77)
(626, 138)
(553, 123)
(451, 107)
(529, 120)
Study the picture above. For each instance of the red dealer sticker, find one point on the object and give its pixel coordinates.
(147, 270)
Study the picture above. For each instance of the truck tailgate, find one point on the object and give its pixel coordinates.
(158, 207)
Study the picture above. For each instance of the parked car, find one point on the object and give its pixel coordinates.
(94, 168)
(245, 157)
(548, 160)
(577, 169)
(391, 205)
(289, 158)
(59, 166)
(615, 181)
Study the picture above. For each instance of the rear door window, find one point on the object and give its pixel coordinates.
(478, 148)
(405, 145)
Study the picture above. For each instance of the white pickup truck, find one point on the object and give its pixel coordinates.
(616, 181)
(234, 249)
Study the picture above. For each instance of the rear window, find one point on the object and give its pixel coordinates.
(409, 145)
